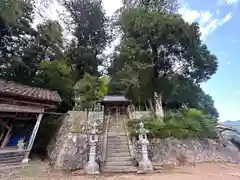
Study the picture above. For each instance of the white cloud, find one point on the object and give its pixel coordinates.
(208, 21)
(205, 17)
(225, 19)
(228, 62)
(189, 15)
(235, 40)
(222, 52)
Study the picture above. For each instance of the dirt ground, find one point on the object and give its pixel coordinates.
(205, 171)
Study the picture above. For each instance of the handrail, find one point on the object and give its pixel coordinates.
(130, 145)
(104, 147)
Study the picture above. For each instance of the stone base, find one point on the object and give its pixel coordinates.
(25, 160)
(145, 166)
(92, 168)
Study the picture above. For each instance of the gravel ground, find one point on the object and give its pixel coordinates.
(205, 171)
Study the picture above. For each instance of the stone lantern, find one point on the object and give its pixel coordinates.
(92, 167)
(145, 164)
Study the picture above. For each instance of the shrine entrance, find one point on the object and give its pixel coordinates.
(115, 104)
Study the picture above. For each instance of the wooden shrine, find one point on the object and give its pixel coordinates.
(23, 103)
(114, 104)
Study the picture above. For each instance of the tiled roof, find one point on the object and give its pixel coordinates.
(115, 98)
(12, 88)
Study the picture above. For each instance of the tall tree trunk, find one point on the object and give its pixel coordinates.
(151, 106)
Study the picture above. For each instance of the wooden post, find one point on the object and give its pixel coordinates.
(8, 135)
(32, 138)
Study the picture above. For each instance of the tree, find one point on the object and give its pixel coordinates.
(15, 32)
(50, 39)
(56, 75)
(164, 50)
(22, 47)
(89, 25)
(89, 90)
(189, 95)
(169, 6)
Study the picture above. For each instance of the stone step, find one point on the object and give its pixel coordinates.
(116, 125)
(11, 154)
(116, 128)
(112, 150)
(11, 160)
(118, 146)
(118, 159)
(116, 132)
(112, 135)
(11, 157)
(117, 143)
(123, 154)
(119, 163)
(116, 138)
(119, 169)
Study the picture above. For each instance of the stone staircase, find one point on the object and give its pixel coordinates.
(118, 158)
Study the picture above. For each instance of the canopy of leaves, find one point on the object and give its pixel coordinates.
(89, 90)
(163, 53)
(189, 123)
(89, 25)
(57, 76)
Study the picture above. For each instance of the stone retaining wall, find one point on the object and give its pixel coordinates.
(176, 152)
(69, 149)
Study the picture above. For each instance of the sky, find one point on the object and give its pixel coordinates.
(219, 24)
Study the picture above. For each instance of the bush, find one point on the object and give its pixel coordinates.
(190, 123)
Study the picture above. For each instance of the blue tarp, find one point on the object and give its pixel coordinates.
(14, 140)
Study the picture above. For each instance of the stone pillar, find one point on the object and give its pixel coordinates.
(32, 138)
(92, 167)
(145, 165)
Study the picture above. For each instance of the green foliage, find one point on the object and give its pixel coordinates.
(56, 75)
(89, 90)
(160, 52)
(190, 123)
(89, 24)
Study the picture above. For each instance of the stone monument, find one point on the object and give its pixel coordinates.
(92, 167)
(145, 165)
